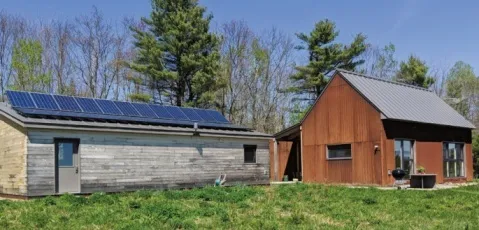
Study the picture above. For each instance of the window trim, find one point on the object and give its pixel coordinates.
(254, 156)
(464, 163)
(339, 158)
(413, 154)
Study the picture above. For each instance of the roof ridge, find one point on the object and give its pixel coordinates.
(383, 80)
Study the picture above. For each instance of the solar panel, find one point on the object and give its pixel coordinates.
(44, 101)
(176, 113)
(160, 111)
(108, 107)
(191, 114)
(67, 103)
(205, 115)
(144, 110)
(20, 99)
(126, 108)
(37, 104)
(217, 116)
(88, 105)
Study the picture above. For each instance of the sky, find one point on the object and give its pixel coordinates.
(439, 32)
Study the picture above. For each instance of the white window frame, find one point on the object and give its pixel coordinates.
(339, 158)
(463, 160)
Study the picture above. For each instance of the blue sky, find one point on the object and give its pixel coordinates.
(440, 32)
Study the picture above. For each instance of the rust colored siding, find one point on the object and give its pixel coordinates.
(429, 155)
(428, 142)
(340, 171)
(342, 116)
(469, 160)
(284, 150)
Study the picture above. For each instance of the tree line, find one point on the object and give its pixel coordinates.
(173, 56)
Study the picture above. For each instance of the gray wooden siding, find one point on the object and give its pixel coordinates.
(124, 162)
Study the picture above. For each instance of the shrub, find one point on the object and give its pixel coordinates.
(370, 201)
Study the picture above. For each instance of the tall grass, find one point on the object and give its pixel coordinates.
(280, 207)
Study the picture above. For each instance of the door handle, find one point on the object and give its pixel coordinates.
(76, 170)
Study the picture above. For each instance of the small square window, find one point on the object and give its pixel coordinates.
(250, 154)
(339, 151)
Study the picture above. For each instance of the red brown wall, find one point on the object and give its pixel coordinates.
(284, 150)
(342, 116)
(428, 141)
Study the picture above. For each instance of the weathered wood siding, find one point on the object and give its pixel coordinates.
(13, 141)
(124, 162)
(342, 116)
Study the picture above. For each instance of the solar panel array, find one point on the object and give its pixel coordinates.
(38, 104)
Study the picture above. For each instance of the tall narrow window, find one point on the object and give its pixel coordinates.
(453, 159)
(250, 154)
(403, 150)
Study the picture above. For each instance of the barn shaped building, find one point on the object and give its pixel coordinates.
(361, 128)
(53, 144)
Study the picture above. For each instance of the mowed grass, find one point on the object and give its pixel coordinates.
(302, 206)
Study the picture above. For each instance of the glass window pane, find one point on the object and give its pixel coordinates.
(452, 169)
(65, 154)
(444, 168)
(444, 151)
(250, 153)
(397, 153)
(452, 151)
(459, 169)
(459, 151)
(339, 151)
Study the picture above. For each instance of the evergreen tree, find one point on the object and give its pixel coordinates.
(177, 52)
(414, 72)
(325, 55)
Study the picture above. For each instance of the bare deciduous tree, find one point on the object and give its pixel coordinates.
(12, 29)
(256, 68)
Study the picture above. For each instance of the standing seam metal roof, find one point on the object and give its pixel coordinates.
(399, 101)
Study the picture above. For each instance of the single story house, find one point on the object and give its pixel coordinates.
(361, 128)
(54, 144)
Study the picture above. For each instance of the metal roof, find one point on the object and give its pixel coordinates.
(398, 101)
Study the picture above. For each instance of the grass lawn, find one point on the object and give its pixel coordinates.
(277, 207)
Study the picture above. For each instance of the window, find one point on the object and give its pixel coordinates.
(403, 150)
(250, 154)
(65, 154)
(339, 151)
(453, 159)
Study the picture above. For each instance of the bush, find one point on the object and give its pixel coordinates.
(370, 201)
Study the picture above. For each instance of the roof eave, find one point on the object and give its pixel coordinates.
(444, 125)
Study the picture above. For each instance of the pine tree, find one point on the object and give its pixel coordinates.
(325, 55)
(177, 52)
(414, 72)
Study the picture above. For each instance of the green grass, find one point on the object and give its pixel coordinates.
(277, 207)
